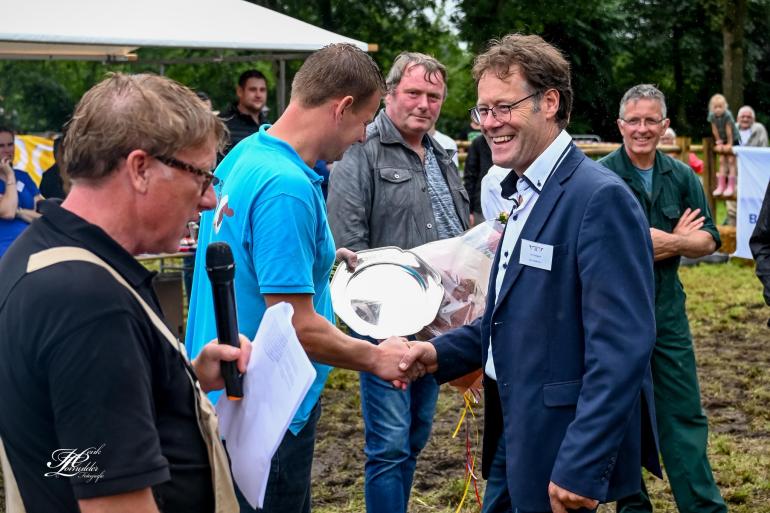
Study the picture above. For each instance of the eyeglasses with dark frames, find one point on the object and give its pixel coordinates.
(208, 176)
(500, 112)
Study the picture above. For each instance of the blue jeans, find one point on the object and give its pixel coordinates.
(288, 487)
(396, 428)
(496, 496)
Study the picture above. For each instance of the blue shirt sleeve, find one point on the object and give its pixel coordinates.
(282, 238)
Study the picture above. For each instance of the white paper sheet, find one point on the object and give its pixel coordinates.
(277, 378)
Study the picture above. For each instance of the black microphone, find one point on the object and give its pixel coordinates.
(221, 270)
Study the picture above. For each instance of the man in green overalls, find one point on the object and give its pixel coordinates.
(680, 225)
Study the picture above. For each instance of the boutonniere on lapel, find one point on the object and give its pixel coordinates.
(502, 217)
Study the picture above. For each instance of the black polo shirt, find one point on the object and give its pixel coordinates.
(94, 400)
(240, 126)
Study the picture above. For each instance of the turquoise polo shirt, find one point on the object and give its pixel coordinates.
(271, 211)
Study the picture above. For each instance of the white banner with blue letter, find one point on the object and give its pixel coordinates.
(753, 177)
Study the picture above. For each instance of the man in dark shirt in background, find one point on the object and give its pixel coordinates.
(245, 117)
(52, 185)
(476, 167)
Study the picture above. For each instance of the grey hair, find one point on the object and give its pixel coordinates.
(748, 108)
(643, 92)
(407, 60)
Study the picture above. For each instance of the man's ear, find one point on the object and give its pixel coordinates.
(341, 106)
(137, 166)
(551, 102)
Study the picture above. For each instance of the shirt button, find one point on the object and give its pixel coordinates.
(516, 217)
(396, 176)
(429, 226)
(505, 266)
(506, 253)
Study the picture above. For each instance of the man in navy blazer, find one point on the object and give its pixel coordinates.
(566, 338)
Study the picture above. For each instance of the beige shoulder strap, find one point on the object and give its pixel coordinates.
(224, 494)
(58, 255)
(13, 503)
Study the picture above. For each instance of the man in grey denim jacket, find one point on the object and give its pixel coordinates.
(379, 193)
(398, 188)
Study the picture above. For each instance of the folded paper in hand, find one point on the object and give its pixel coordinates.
(278, 376)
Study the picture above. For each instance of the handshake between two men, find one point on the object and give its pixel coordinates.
(403, 361)
(395, 359)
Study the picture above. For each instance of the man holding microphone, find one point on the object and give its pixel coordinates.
(104, 412)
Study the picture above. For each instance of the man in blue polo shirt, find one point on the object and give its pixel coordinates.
(271, 211)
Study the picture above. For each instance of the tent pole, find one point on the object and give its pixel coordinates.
(281, 86)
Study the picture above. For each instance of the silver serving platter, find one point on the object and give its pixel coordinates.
(391, 292)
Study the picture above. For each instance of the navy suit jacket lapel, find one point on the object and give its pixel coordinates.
(549, 196)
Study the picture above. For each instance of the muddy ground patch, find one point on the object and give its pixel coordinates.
(732, 345)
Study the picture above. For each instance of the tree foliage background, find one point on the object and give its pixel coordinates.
(690, 49)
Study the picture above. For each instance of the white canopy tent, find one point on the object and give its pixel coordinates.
(111, 30)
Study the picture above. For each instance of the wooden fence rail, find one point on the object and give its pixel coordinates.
(681, 151)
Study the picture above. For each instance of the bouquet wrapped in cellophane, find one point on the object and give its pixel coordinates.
(464, 263)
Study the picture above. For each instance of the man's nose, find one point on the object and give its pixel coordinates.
(489, 122)
(644, 126)
(209, 199)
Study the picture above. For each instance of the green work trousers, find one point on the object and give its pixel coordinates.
(682, 430)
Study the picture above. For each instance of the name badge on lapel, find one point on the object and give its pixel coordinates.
(535, 254)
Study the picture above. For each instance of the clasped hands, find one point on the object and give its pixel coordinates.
(402, 361)
(722, 146)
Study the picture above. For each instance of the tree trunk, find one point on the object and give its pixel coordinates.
(733, 36)
(325, 12)
(679, 87)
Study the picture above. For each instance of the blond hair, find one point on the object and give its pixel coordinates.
(717, 98)
(123, 113)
